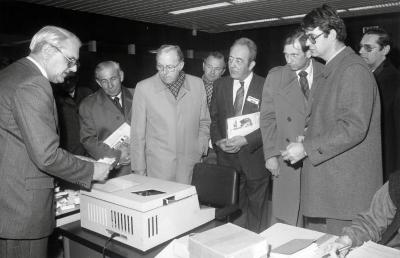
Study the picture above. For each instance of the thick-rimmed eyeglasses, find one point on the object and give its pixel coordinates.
(368, 48)
(167, 68)
(71, 62)
(313, 38)
(215, 69)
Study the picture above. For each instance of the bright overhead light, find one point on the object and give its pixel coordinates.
(361, 8)
(242, 1)
(341, 10)
(293, 16)
(250, 22)
(200, 8)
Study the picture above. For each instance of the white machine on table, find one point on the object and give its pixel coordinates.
(143, 211)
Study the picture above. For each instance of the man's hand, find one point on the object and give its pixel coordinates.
(236, 142)
(272, 165)
(101, 171)
(125, 158)
(222, 144)
(294, 152)
(339, 248)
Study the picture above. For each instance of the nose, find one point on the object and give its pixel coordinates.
(308, 42)
(74, 68)
(362, 50)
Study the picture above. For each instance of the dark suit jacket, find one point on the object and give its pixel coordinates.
(68, 117)
(250, 156)
(99, 118)
(388, 80)
(30, 155)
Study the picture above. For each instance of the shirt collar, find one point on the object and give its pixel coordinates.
(42, 70)
(309, 69)
(246, 81)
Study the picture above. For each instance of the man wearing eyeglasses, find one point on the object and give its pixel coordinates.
(171, 122)
(342, 166)
(30, 156)
(214, 68)
(233, 96)
(375, 46)
(103, 112)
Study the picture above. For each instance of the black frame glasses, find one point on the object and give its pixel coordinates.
(71, 62)
(168, 68)
(313, 38)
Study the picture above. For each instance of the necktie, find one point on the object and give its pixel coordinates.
(237, 105)
(116, 102)
(304, 84)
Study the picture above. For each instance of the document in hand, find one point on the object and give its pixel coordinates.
(242, 125)
(119, 136)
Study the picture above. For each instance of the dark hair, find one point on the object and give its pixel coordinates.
(326, 18)
(167, 48)
(297, 35)
(250, 45)
(217, 55)
(384, 38)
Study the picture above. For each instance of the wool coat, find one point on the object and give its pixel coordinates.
(282, 119)
(169, 135)
(343, 141)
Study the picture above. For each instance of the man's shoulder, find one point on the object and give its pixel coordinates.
(91, 99)
(193, 78)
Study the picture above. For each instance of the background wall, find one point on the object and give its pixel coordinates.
(19, 21)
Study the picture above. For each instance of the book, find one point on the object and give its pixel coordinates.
(119, 137)
(242, 125)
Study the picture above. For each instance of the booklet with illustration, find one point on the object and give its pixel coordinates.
(242, 125)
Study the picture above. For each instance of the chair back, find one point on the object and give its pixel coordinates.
(217, 186)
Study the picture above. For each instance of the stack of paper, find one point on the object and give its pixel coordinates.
(374, 250)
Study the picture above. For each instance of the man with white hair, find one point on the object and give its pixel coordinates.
(30, 156)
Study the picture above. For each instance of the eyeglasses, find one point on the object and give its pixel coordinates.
(105, 82)
(168, 68)
(215, 69)
(71, 62)
(367, 47)
(313, 38)
(237, 60)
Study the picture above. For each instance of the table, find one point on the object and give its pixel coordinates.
(79, 242)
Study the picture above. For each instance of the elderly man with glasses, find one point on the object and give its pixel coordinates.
(30, 155)
(341, 151)
(375, 46)
(103, 112)
(170, 120)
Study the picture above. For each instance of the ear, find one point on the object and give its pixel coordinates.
(386, 49)
(332, 34)
(251, 65)
(47, 51)
(121, 75)
(204, 67)
(308, 54)
(181, 65)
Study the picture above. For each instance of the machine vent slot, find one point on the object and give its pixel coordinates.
(97, 214)
(122, 222)
(152, 226)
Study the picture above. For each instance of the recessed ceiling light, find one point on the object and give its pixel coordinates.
(250, 22)
(200, 8)
(293, 16)
(242, 1)
(361, 8)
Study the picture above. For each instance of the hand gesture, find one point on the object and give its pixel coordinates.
(101, 171)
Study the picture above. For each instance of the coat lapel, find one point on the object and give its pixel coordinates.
(252, 92)
(291, 91)
(229, 98)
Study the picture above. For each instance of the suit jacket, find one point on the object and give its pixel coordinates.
(250, 156)
(282, 119)
(388, 80)
(30, 155)
(169, 135)
(99, 118)
(343, 141)
(68, 116)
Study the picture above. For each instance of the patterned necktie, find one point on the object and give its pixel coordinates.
(116, 102)
(237, 105)
(304, 84)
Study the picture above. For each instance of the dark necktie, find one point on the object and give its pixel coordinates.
(116, 102)
(304, 84)
(237, 105)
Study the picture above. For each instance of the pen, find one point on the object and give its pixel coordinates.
(344, 248)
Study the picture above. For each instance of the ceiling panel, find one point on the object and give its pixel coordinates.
(212, 20)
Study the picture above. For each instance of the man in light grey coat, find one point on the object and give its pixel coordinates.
(343, 168)
(282, 119)
(170, 120)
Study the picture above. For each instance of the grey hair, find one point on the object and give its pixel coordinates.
(106, 64)
(167, 48)
(52, 35)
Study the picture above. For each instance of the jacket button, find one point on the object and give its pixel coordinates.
(289, 119)
(287, 140)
